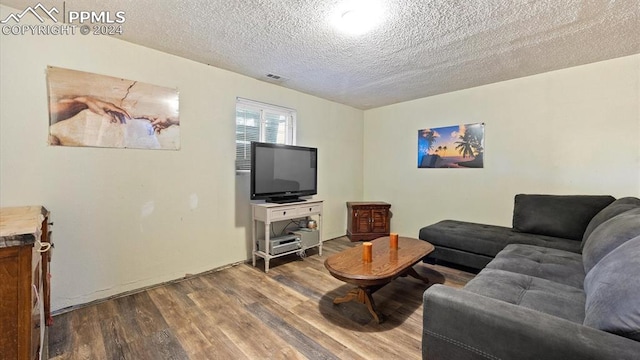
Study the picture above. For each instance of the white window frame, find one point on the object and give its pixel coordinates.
(264, 109)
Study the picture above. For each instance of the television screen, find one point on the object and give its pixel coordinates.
(282, 173)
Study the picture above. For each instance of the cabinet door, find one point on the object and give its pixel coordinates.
(363, 221)
(15, 304)
(379, 222)
(9, 284)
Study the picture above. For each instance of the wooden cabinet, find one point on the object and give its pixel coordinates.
(24, 282)
(367, 220)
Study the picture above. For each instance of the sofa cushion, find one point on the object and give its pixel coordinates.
(542, 295)
(613, 292)
(560, 266)
(486, 239)
(609, 235)
(564, 216)
(615, 208)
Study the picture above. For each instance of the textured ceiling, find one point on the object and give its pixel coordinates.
(421, 48)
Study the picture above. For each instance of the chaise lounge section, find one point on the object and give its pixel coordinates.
(537, 302)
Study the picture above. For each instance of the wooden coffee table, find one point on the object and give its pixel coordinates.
(387, 265)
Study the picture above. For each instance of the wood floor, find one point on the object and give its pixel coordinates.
(242, 313)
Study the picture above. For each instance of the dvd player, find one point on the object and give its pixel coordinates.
(281, 244)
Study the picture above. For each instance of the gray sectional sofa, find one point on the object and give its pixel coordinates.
(542, 302)
(552, 221)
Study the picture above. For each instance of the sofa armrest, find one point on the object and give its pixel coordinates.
(459, 324)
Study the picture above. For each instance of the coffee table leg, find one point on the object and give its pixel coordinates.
(411, 272)
(361, 295)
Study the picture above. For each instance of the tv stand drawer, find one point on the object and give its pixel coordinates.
(283, 213)
(309, 209)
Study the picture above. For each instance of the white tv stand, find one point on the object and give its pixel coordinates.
(268, 213)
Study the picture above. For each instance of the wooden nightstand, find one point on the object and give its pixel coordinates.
(367, 220)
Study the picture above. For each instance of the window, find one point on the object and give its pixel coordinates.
(256, 121)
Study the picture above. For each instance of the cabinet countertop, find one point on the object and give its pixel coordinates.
(366, 203)
(21, 225)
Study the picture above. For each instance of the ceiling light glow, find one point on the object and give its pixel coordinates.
(357, 17)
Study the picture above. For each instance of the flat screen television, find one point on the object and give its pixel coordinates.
(283, 173)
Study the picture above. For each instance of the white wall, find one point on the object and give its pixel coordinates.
(573, 131)
(105, 244)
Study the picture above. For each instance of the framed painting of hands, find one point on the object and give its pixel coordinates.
(87, 109)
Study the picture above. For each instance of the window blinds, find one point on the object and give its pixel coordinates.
(262, 122)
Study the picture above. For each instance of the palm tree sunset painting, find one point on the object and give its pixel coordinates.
(458, 146)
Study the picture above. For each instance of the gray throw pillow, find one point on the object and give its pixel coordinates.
(612, 289)
(563, 216)
(617, 207)
(609, 235)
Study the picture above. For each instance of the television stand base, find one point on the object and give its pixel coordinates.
(265, 217)
(285, 200)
